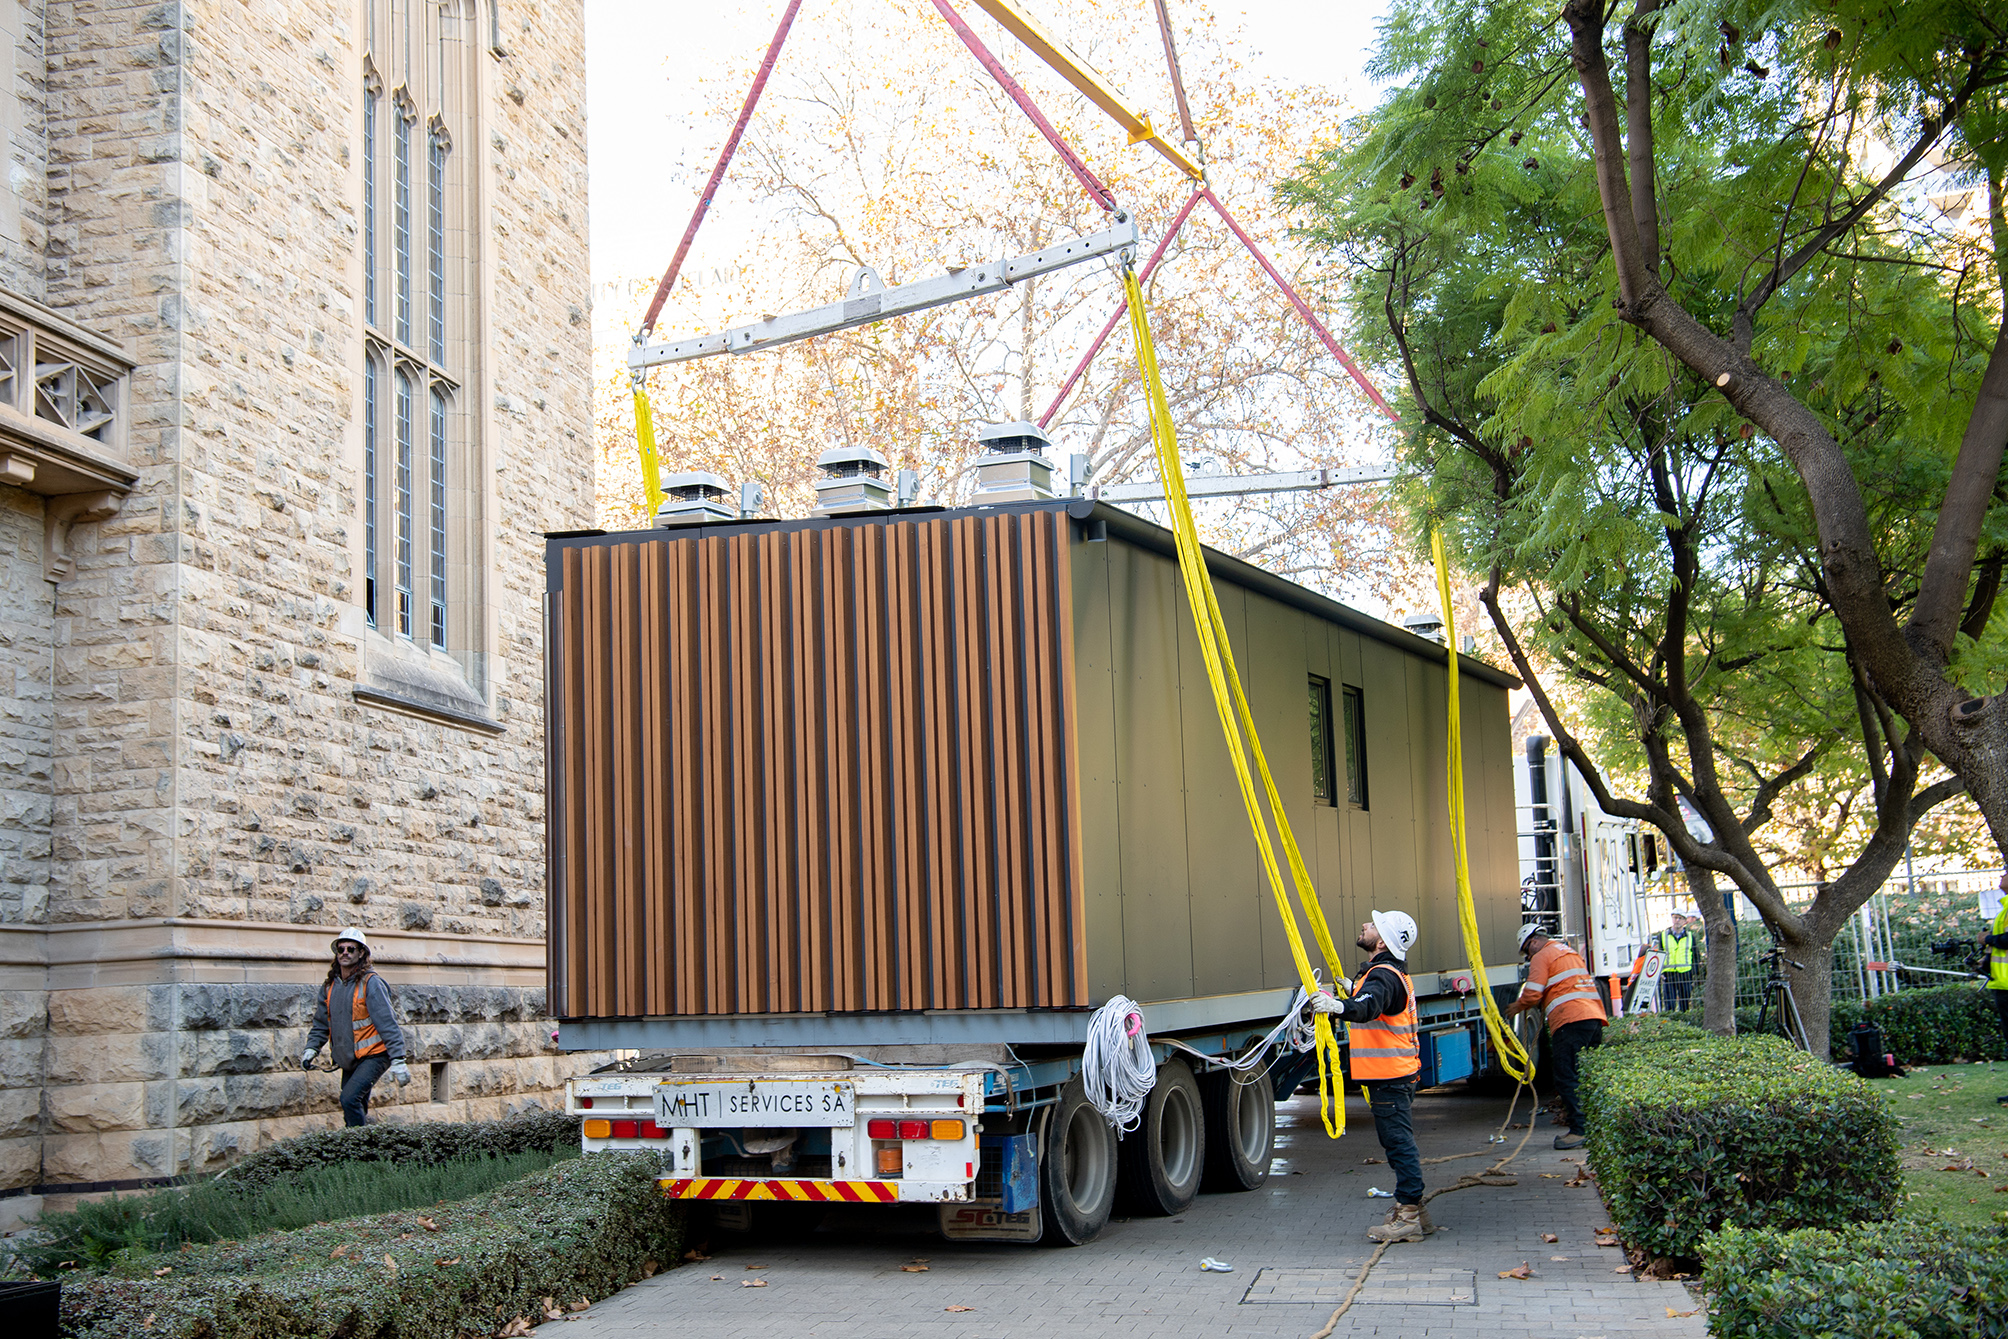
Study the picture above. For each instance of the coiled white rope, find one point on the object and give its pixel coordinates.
(1117, 1067)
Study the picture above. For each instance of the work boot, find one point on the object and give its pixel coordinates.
(1404, 1224)
(1572, 1139)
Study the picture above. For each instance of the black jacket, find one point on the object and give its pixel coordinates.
(1376, 993)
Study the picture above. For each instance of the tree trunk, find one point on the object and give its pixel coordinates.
(1812, 986)
(1718, 983)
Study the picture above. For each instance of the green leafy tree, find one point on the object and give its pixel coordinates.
(1643, 540)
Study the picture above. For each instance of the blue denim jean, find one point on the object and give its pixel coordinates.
(356, 1084)
(1390, 1099)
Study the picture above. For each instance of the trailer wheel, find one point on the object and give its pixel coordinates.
(1159, 1163)
(1240, 1130)
(1077, 1168)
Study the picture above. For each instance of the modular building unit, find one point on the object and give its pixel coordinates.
(961, 771)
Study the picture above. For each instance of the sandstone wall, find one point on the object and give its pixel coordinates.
(221, 798)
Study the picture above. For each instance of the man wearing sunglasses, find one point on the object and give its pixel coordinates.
(354, 1018)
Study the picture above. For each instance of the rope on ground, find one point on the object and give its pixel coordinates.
(1491, 1176)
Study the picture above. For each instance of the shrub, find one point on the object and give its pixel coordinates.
(1870, 1282)
(1934, 1026)
(1637, 1028)
(97, 1232)
(1689, 1131)
(416, 1144)
(585, 1227)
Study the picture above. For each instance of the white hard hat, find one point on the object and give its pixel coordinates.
(1529, 930)
(355, 936)
(1397, 931)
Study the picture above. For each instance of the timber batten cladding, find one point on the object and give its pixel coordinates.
(816, 767)
(954, 760)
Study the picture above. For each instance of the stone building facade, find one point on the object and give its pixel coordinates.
(294, 372)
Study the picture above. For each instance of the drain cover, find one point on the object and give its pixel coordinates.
(1405, 1287)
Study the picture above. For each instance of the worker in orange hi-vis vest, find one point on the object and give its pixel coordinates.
(353, 1017)
(1381, 1053)
(1559, 981)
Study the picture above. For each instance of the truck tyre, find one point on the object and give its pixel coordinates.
(1240, 1130)
(1077, 1168)
(1160, 1162)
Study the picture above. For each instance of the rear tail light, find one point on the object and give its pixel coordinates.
(888, 1162)
(598, 1129)
(882, 1129)
(624, 1129)
(947, 1129)
(650, 1130)
(913, 1129)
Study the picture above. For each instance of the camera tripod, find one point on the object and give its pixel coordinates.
(1778, 995)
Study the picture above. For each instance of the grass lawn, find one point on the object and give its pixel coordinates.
(1954, 1140)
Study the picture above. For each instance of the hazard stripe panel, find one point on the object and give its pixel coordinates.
(721, 1188)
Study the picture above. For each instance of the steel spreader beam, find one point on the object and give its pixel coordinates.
(1230, 485)
(871, 301)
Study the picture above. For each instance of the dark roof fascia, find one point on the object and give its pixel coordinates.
(1124, 525)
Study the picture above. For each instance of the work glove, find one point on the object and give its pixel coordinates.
(307, 1057)
(1321, 1003)
(400, 1073)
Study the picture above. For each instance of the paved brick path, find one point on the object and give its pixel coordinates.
(1296, 1245)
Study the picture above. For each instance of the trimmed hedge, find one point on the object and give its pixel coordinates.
(413, 1144)
(586, 1227)
(1880, 1281)
(1689, 1132)
(1937, 1025)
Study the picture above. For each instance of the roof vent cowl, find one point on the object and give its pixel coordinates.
(695, 497)
(1013, 466)
(853, 481)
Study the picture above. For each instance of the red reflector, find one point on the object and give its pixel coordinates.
(586, 1102)
(913, 1129)
(881, 1129)
(650, 1130)
(624, 1129)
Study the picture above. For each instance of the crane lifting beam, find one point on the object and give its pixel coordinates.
(1229, 485)
(1090, 85)
(870, 300)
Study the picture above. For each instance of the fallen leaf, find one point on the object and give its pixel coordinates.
(404, 1236)
(428, 1225)
(147, 1324)
(1558, 1257)
(554, 1314)
(515, 1328)
(338, 1252)
(1622, 1269)
(1677, 1315)
(913, 1269)
(958, 1308)
(717, 1278)
(1551, 1176)
(390, 1263)
(1521, 1271)
(752, 1283)
(443, 1263)
(649, 1269)
(164, 1269)
(756, 1266)
(1370, 1162)
(695, 1255)
(1549, 1236)
(581, 1304)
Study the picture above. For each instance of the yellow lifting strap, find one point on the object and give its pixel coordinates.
(1230, 701)
(644, 436)
(1513, 1057)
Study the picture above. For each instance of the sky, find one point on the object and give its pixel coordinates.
(643, 59)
